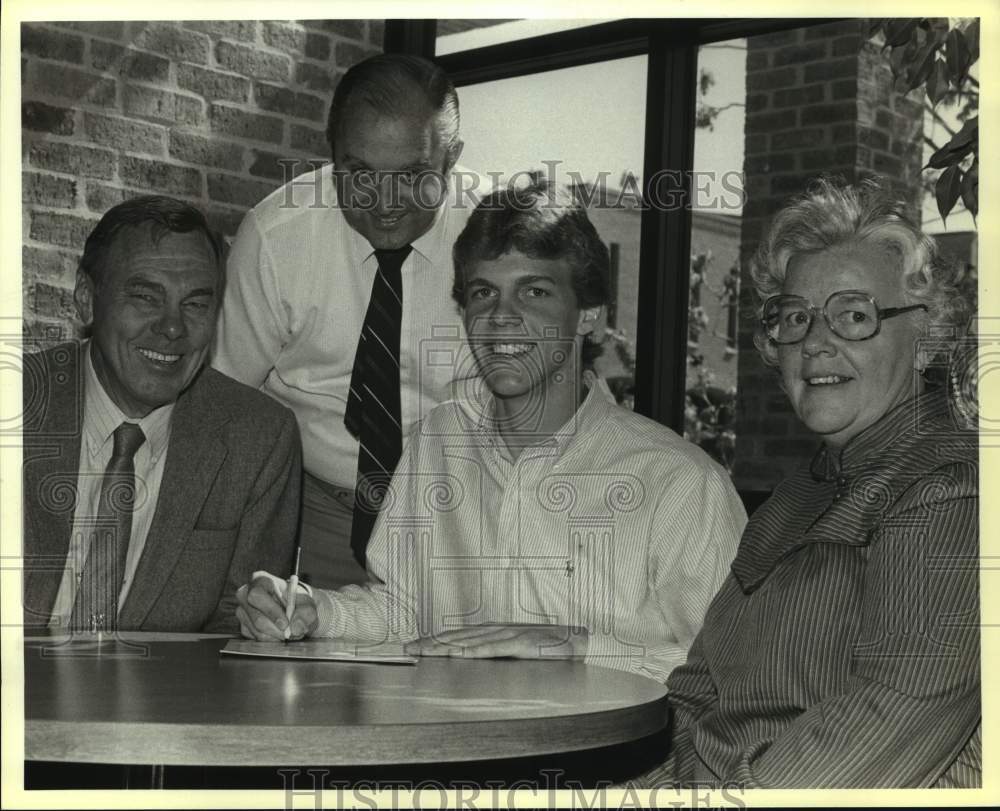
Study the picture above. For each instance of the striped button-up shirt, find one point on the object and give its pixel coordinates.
(614, 523)
(843, 651)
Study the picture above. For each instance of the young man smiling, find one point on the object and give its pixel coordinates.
(531, 516)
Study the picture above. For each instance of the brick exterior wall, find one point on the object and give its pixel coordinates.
(200, 110)
(819, 100)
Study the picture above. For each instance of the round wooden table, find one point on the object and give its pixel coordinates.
(173, 700)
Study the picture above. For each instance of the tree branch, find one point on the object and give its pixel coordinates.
(717, 110)
(938, 118)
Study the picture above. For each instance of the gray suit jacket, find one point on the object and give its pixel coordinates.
(228, 501)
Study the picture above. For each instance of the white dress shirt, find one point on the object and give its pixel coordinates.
(615, 524)
(298, 285)
(100, 419)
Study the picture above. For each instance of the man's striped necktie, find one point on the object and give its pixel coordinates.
(95, 607)
(373, 405)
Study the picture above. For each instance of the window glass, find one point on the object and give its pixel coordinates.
(713, 314)
(464, 35)
(558, 124)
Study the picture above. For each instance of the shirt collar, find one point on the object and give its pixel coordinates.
(432, 244)
(582, 422)
(591, 412)
(101, 417)
(806, 510)
(829, 465)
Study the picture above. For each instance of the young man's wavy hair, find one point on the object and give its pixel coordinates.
(542, 221)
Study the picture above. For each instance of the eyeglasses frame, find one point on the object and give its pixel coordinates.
(881, 314)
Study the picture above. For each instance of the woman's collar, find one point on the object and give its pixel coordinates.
(830, 464)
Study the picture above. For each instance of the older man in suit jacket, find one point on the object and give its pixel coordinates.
(152, 486)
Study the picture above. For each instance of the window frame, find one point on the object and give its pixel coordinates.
(671, 46)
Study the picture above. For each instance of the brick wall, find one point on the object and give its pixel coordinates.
(819, 100)
(200, 110)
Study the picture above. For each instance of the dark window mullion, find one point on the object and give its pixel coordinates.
(562, 49)
(415, 37)
(665, 248)
(593, 43)
(722, 30)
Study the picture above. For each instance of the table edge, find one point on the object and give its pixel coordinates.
(375, 744)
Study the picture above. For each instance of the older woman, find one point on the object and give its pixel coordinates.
(843, 649)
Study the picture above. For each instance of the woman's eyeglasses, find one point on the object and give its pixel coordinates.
(850, 314)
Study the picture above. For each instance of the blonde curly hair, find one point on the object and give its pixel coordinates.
(832, 213)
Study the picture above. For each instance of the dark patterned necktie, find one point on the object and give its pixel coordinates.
(96, 603)
(373, 409)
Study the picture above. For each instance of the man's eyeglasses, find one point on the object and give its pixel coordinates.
(850, 314)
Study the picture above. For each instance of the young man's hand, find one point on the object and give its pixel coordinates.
(498, 641)
(261, 612)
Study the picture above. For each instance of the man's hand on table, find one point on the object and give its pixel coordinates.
(261, 612)
(498, 641)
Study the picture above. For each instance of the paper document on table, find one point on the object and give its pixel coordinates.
(334, 650)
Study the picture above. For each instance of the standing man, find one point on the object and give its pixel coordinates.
(336, 279)
(153, 486)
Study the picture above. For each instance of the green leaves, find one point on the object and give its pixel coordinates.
(705, 81)
(937, 82)
(947, 190)
(958, 55)
(923, 63)
(972, 40)
(953, 182)
(961, 144)
(929, 52)
(898, 32)
(970, 189)
(917, 46)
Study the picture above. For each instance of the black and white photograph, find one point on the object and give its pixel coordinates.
(563, 409)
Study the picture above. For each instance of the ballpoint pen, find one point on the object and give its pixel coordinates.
(293, 586)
